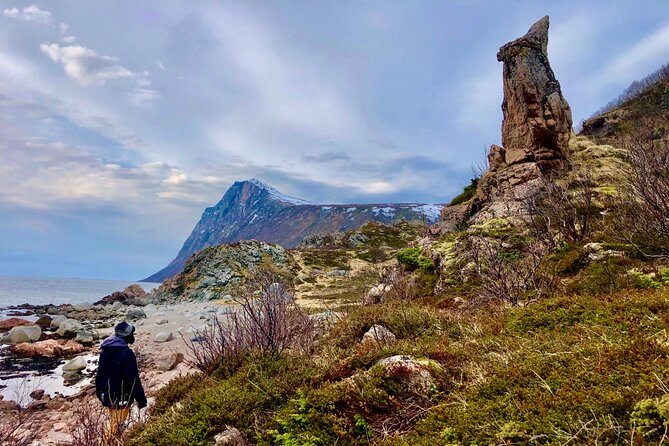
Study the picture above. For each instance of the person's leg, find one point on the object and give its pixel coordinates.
(116, 419)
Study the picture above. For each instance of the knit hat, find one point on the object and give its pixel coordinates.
(124, 329)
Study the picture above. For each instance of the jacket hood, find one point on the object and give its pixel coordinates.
(113, 342)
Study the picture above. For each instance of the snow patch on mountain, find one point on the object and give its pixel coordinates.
(276, 194)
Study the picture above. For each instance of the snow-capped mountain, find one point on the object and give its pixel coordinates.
(255, 210)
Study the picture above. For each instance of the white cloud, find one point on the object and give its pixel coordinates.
(31, 13)
(64, 27)
(69, 39)
(141, 96)
(160, 65)
(85, 65)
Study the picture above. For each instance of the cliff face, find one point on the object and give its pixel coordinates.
(253, 210)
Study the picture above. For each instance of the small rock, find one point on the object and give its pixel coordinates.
(230, 437)
(169, 361)
(135, 314)
(37, 394)
(29, 333)
(75, 365)
(376, 294)
(161, 321)
(413, 372)
(59, 426)
(71, 378)
(164, 336)
(379, 335)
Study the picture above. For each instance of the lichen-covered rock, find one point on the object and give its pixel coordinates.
(229, 437)
(378, 335)
(416, 373)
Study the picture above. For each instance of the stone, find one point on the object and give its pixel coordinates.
(229, 437)
(69, 328)
(378, 335)
(75, 365)
(376, 294)
(168, 361)
(56, 321)
(49, 348)
(413, 372)
(28, 333)
(85, 337)
(37, 394)
(71, 378)
(135, 314)
(12, 322)
(161, 321)
(496, 158)
(83, 306)
(59, 426)
(164, 336)
(44, 322)
(131, 295)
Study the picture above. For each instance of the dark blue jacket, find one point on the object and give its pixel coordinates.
(117, 382)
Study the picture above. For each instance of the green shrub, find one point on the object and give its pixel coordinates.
(651, 416)
(467, 194)
(665, 99)
(413, 259)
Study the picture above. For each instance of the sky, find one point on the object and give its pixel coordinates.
(120, 121)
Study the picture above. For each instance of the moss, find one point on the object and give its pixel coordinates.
(413, 259)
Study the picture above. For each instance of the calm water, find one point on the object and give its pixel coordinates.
(37, 290)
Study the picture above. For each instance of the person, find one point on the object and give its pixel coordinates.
(117, 381)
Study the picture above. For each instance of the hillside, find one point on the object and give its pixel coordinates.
(253, 210)
(535, 312)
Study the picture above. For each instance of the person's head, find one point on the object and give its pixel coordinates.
(125, 331)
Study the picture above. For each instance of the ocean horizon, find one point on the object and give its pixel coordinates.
(17, 290)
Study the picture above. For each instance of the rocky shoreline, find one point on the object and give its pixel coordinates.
(48, 354)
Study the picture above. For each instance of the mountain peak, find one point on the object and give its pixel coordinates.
(274, 193)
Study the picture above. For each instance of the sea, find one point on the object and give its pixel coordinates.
(43, 290)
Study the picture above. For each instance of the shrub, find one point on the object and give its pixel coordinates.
(650, 417)
(413, 259)
(467, 194)
(665, 99)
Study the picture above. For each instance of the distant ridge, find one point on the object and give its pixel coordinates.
(254, 210)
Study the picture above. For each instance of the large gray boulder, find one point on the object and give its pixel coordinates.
(26, 333)
(135, 314)
(69, 328)
(57, 320)
(75, 365)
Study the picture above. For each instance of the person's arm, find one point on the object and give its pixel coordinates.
(131, 374)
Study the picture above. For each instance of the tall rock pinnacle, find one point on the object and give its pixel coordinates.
(537, 118)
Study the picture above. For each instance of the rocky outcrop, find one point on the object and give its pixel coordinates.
(535, 133)
(221, 270)
(132, 295)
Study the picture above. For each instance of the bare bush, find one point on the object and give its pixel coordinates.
(642, 216)
(513, 276)
(15, 427)
(402, 286)
(558, 214)
(92, 425)
(265, 322)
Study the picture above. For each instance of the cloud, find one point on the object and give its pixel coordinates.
(143, 96)
(160, 65)
(85, 65)
(326, 157)
(63, 27)
(69, 39)
(31, 14)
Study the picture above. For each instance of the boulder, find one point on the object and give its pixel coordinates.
(378, 335)
(69, 328)
(10, 323)
(169, 361)
(83, 306)
(135, 314)
(376, 294)
(417, 374)
(57, 320)
(229, 437)
(44, 322)
(75, 365)
(85, 337)
(71, 378)
(48, 348)
(164, 336)
(28, 333)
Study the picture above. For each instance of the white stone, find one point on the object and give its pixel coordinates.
(25, 333)
(75, 365)
(164, 336)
